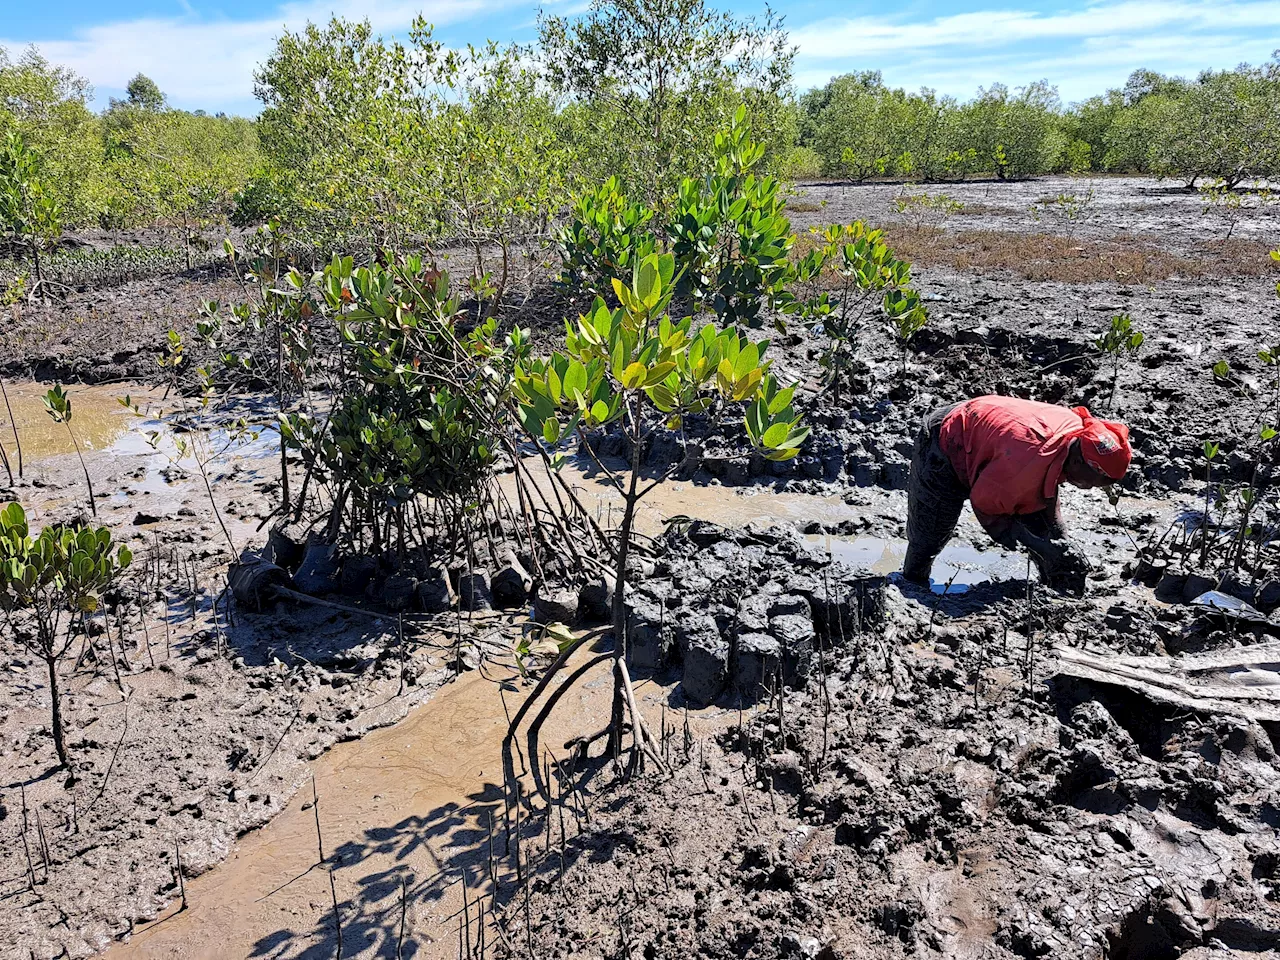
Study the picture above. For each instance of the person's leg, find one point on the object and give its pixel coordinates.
(935, 499)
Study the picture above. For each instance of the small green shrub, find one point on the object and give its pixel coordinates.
(1068, 211)
(926, 209)
(57, 577)
(867, 275)
(607, 235)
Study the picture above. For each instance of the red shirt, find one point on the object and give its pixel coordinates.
(1010, 452)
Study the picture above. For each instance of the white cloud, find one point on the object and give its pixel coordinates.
(1083, 48)
(839, 38)
(206, 63)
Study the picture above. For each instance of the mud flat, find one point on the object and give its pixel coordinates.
(944, 779)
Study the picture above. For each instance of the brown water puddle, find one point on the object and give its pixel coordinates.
(410, 802)
(728, 506)
(958, 567)
(97, 418)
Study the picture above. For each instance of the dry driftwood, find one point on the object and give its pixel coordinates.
(1242, 682)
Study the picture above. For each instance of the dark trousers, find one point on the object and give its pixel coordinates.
(935, 497)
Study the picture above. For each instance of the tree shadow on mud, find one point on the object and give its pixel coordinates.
(455, 841)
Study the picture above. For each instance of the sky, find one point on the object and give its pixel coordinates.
(203, 54)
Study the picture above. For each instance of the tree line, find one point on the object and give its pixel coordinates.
(136, 163)
(1223, 125)
(371, 142)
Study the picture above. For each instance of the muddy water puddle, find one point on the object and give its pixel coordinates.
(138, 458)
(959, 567)
(104, 426)
(97, 418)
(407, 804)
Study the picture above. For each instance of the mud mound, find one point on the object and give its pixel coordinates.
(740, 613)
(915, 801)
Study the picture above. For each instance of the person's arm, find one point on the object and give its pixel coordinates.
(999, 527)
(1043, 534)
(1053, 517)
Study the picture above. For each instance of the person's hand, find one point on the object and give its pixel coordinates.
(1068, 571)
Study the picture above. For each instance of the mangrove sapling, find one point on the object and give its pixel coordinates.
(605, 236)
(1270, 357)
(1224, 203)
(28, 209)
(907, 317)
(630, 367)
(57, 577)
(1210, 452)
(728, 232)
(1227, 204)
(866, 270)
(58, 405)
(419, 414)
(926, 209)
(1248, 495)
(732, 239)
(1119, 342)
(1068, 210)
(268, 338)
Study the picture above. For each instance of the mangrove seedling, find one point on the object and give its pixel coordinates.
(1210, 452)
(1119, 342)
(907, 317)
(1248, 495)
(1270, 357)
(58, 405)
(57, 577)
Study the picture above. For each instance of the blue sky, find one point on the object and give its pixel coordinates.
(203, 54)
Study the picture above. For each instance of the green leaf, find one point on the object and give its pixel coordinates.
(658, 372)
(776, 435)
(648, 283)
(575, 380)
(633, 376)
(781, 400)
(747, 360)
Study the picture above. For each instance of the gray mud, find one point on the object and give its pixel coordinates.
(933, 782)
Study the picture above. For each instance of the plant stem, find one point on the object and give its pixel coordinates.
(13, 423)
(1204, 527)
(93, 507)
(59, 742)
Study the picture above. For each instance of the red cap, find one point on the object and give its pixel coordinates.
(1104, 444)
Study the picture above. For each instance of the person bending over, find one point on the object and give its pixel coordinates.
(1007, 457)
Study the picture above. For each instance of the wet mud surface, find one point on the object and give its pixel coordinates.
(936, 787)
(871, 770)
